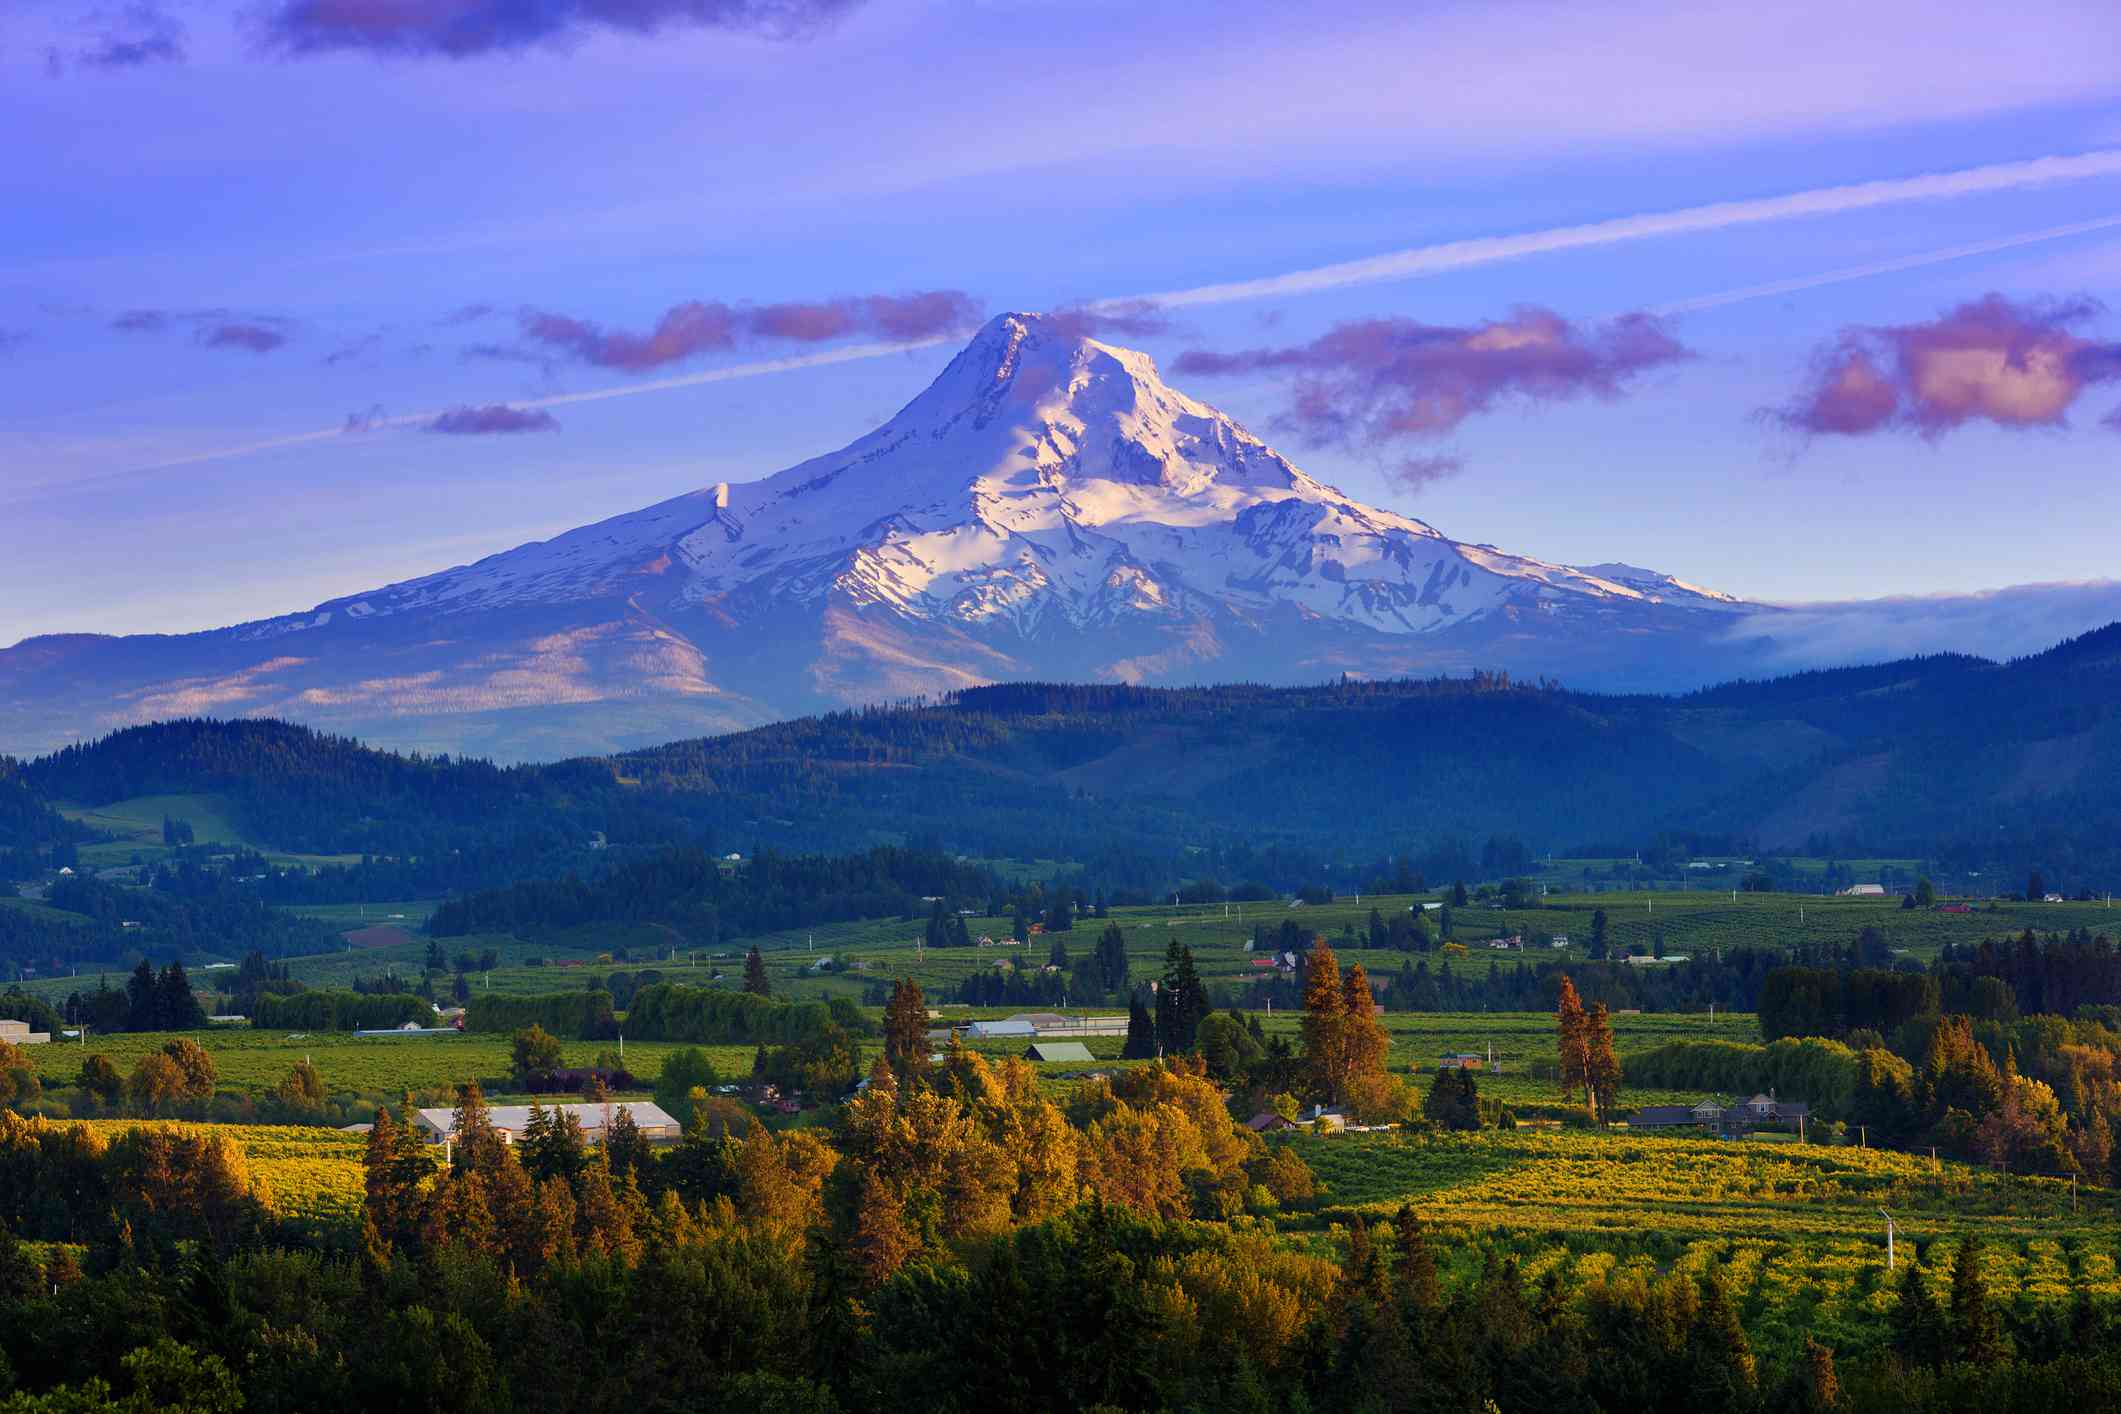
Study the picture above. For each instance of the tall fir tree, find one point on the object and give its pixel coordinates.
(1325, 1025)
(1975, 1329)
(1181, 1001)
(1604, 1072)
(906, 1030)
(1141, 1031)
(755, 981)
(1572, 1043)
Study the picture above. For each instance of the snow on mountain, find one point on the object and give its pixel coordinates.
(1042, 477)
(1047, 507)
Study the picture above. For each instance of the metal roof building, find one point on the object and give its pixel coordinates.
(1059, 1051)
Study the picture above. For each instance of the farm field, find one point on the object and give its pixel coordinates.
(1792, 1229)
(137, 826)
(251, 1062)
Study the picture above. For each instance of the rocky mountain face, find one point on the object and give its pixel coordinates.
(1047, 509)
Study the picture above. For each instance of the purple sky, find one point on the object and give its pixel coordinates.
(1803, 301)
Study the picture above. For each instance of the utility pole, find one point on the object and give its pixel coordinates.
(1889, 1254)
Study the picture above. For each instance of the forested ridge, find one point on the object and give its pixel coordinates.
(1975, 764)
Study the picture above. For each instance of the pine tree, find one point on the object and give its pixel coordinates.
(1367, 1040)
(626, 1149)
(1917, 1325)
(1573, 1045)
(1325, 1025)
(1598, 935)
(1720, 1358)
(1112, 958)
(1141, 1031)
(755, 974)
(1604, 1066)
(142, 1000)
(1414, 1266)
(1975, 1330)
(906, 1030)
(478, 1145)
(1181, 1001)
(881, 1241)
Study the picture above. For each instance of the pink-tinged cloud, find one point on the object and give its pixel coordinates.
(2112, 420)
(491, 419)
(1992, 360)
(700, 326)
(689, 329)
(255, 338)
(1418, 473)
(462, 29)
(141, 321)
(1126, 319)
(1377, 380)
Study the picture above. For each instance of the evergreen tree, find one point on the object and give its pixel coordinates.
(1111, 958)
(1719, 1357)
(755, 974)
(143, 1000)
(1604, 1065)
(1414, 1266)
(1917, 1325)
(1141, 1031)
(881, 1241)
(1598, 935)
(1975, 1329)
(1325, 1025)
(1380, 936)
(1181, 1001)
(1458, 894)
(906, 1030)
(1572, 1038)
(1367, 1040)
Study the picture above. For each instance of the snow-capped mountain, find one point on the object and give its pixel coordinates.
(1047, 508)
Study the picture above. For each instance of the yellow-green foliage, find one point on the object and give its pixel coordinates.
(297, 1172)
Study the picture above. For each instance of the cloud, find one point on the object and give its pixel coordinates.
(1418, 473)
(469, 314)
(137, 35)
(2000, 624)
(1992, 360)
(141, 321)
(256, 338)
(2112, 419)
(463, 29)
(367, 421)
(1446, 256)
(1376, 380)
(493, 418)
(1126, 319)
(700, 326)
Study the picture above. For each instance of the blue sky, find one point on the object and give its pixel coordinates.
(231, 224)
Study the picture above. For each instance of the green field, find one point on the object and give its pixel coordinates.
(252, 1062)
(137, 826)
(1793, 1230)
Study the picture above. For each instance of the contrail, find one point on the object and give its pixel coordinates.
(1433, 260)
(851, 353)
(1880, 267)
(1722, 215)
